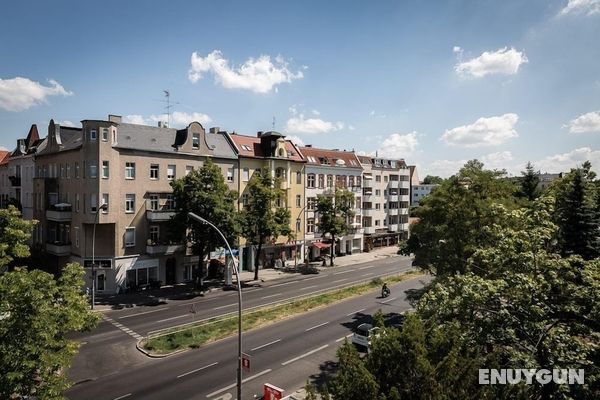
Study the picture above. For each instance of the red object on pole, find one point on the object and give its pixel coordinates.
(272, 392)
(246, 362)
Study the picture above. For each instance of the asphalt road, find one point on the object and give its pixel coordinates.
(285, 354)
(111, 346)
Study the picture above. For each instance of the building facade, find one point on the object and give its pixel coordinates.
(325, 171)
(421, 190)
(128, 168)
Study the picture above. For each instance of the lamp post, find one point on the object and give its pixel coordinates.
(298, 222)
(102, 207)
(239, 285)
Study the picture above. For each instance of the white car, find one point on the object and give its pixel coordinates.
(363, 335)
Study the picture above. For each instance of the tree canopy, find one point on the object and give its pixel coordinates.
(335, 212)
(530, 180)
(14, 233)
(432, 179)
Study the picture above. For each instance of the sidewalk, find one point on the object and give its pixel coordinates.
(106, 302)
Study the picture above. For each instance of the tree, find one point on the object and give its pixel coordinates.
(37, 313)
(14, 233)
(432, 179)
(336, 214)
(205, 193)
(262, 220)
(576, 215)
(353, 380)
(529, 183)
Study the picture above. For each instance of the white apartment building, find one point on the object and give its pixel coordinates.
(326, 170)
(419, 191)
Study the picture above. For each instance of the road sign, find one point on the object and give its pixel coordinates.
(245, 362)
(272, 392)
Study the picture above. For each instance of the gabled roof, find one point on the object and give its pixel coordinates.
(4, 157)
(32, 137)
(249, 146)
(333, 158)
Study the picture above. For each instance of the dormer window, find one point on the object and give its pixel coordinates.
(281, 152)
(196, 141)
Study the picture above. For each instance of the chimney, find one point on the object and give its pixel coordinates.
(309, 145)
(162, 124)
(214, 129)
(114, 118)
(259, 133)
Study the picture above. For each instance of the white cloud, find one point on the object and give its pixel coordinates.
(295, 139)
(134, 119)
(585, 123)
(299, 124)
(587, 7)
(490, 131)
(565, 161)
(19, 94)
(259, 75)
(315, 112)
(457, 49)
(502, 61)
(443, 168)
(178, 119)
(499, 160)
(446, 168)
(351, 127)
(66, 122)
(398, 146)
(376, 115)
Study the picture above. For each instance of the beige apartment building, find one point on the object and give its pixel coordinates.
(128, 168)
(385, 200)
(283, 159)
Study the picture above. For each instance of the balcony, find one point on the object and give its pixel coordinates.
(15, 181)
(58, 249)
(369, 212)
(59, 213)
(392, 211)
(355, 189)
(368, 197)
(369, 230)
(163, 249)
(392, 228)
(405, 184)
(394, 184)
(159, 215)
(392, 197)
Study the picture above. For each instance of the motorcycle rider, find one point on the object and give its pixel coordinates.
(385, 290)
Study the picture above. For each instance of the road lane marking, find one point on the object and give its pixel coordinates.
(266, 371)
(316, 326)
(122, 397)
(343, 272)
(314, 277)
(340, 280)
(370, 273)
(368, 266)
(266, 344)
(172, 318)
(123, 328)
(272, 295)
(308, 287)
(387, 301)
(343, 337)
(225, 306)
(143, 313)
(284, 283)
(304, 355)
(355, 312)
(197, 369)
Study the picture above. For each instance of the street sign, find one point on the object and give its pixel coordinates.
(245, 362)
(272, 392)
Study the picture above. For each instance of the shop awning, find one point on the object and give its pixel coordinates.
(320, 245)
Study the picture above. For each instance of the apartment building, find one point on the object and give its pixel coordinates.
(325, 171)
(283, 159)
(420, 191)
(385, 200)
(128, 168)
(4, 182)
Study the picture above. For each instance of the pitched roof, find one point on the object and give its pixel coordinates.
(334, 158)
(4, 157)
(32, 137)
(249, 146)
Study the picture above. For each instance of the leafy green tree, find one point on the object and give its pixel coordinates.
(379, 319)
(576, 216)
(529, 183)
(353, 380)
(205, 193)
(432, 179)
(311, 391)
(14, 233)
(335, 211)
(36, 314)
(452, 219)
(262, 220)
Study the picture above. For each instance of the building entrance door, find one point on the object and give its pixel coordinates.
(170, 271)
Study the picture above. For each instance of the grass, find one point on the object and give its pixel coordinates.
(215, 329)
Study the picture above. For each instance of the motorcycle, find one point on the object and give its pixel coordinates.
(385, 292)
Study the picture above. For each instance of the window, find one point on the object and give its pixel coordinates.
(311, 203)
(62, 171)
(376, 222)
(170, 172)
(130, 203)
(358, 178)
(279, 202)
(104, 134)
(385, 178)
(77, 170)
(188, 169)
(130, 170)
(105, 169)
(351, 181)
(377, 192)
(299, 177)
(377, 206)
(170, 204)
(196, 141)
(93, 170)
(93, 135)
(130, 236)
(154, 171)
(298, 200)
(229, 174)
(93, 202)
(154, 234)
(310, 225)
(329, 181)
(114, 136)
(280, 173)
(247, 148)
(245, 199)
(187, 272)
(310, 180)
(77, 202)
(281, 152)
(358, 203)
(377, 178)
(68, 171)
(105, 201)
(321, 181)
(154, 202)
(76, 229)
(246, 175)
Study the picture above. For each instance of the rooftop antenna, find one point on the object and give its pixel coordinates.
(167, 93)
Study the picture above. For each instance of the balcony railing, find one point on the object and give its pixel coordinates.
(159, 215)
(58, 248)
(59, 213)
(369, 212)
(15, 180)
(369, 230)
(163, 249)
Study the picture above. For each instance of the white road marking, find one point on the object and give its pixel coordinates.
(343, 272)
(368, 266)
(122, 397)
(343, 337)
(340, 280)
(304, 355)
(142, 313)
(266, 344)
(355, 312)
(387, 301)
(284, 283)
(225, 306)
(272, 295)
(266, 371)
(316, 326)
(196, 370)
(308, 287)
(172, 318)
(124, 329)
(314, 277)
(370, 273)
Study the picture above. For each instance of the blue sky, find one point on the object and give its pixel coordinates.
(436, 83)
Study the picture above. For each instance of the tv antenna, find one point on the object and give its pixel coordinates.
(169, 105)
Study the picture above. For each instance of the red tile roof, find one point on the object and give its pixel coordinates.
(4, 157)
(316, 156)
(249, 146)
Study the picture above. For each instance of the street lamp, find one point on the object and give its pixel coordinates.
(239, 285)
(298, 222)
(102, 207)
